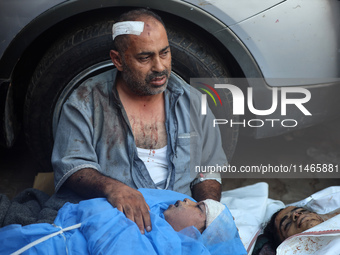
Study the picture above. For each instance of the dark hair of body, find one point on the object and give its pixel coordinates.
(271, 232)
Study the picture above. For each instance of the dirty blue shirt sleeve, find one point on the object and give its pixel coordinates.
(73, 149)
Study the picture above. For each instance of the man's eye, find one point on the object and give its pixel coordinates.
(164, 53)
(144, 58)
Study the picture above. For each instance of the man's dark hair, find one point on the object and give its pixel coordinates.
(272, 233)
(121, 42)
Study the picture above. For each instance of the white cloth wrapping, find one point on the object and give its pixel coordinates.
(213, 209)
(251, 208)
(323, 238)
(127, 28)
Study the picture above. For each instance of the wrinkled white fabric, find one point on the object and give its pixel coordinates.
(213, 209)
(321, 202)
(323, 238)
(251, 208)
(127, 28)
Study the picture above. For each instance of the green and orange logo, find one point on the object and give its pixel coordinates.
(207, 88)
(209, 93)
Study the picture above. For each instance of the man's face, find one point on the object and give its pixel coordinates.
(293, 220)
(146, 64)
(186, 213)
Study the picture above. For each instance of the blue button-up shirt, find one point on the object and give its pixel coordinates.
(94, 132)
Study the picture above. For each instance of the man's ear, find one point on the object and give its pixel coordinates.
(116, 59)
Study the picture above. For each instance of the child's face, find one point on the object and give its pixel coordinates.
(186, 213)
(293, 220)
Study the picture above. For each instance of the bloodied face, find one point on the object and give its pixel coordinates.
(293, 220)
(186, 213)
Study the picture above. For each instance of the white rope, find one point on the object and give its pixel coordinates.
(42, 239)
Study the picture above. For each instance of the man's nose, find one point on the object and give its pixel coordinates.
(158, 65)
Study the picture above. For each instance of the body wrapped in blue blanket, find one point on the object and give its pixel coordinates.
(95, 227)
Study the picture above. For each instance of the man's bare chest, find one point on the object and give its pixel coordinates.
(147, 120)
(149, 131)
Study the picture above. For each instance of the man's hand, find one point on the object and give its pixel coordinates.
(207, 189)
(132, 203)
(90, 183)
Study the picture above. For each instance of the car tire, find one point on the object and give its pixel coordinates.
(83, 52)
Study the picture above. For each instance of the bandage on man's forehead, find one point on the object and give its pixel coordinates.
(127, 28)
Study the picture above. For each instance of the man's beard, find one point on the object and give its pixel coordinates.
(143, 87)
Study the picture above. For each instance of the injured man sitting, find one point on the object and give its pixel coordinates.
(180, 226)
(307, 228)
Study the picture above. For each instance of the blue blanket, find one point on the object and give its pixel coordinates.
(105, 230)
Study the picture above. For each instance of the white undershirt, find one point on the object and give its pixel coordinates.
(156, 163)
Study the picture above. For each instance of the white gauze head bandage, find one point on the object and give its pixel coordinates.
(127, 28)
(212, 209)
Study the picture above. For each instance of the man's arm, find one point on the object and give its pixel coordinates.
(90, 183)
(207, 189)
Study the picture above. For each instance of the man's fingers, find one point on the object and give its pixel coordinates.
(120, 208)
(140, 223)
(131, 202)
(147, 220)
(141, 219)
(128, 212)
